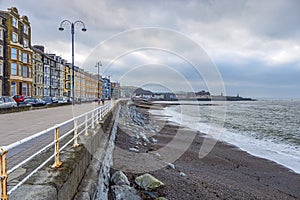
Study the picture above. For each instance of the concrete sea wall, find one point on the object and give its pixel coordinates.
(84, 173)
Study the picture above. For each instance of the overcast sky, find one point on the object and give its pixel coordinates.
(249, 47)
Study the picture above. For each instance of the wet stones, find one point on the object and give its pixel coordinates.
(124, 192)
(119, 178)
(133, 123)
(148, 182)
(121, 188)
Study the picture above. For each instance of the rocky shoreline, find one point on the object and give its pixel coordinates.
(147, 144)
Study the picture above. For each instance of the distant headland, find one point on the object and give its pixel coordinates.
(140, 94)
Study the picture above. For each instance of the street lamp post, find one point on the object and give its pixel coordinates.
(72, 24)
(98, 64)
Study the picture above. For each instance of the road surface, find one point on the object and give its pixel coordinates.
(17, 126)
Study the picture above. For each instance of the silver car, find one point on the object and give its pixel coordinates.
(7, 102)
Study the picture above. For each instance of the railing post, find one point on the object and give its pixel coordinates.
(75, 144)
(57, 162)
(86, 125)
(98, 116)
(100, 110)
(3, 174)
(93, 120)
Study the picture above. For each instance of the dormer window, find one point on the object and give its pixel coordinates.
(15, 22)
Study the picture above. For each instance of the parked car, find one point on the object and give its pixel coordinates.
(50, 100)
(7, 102)
(24, 103)
(35, 102)
(19, 98)
(62, 100)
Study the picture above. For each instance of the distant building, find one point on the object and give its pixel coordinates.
(18, 59)
(62, 68)
(78, 82)
(54, 74)
(38, 55)
(91, 86)
(46, 76)
(203, 94)
(115, 90)
(28, 70)
(68, 79)
(106, 88)
(100, 89)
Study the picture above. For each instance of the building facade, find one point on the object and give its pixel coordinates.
(38, 54)
(62, 69)
(115, 90)
(67, 82)
(19, 54)
(28, 70)
(106, 88)
(91, 86)
(3, 31)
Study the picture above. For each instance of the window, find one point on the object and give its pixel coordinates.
(25, 43)
(14, 37)
(24, 58)
(1, 68)
(24, 71)
(1, 50)
(13, 88)
(29, 90)
(13, 68)
(15, 22)
(14, 53)
(25, 29)
(24, 89)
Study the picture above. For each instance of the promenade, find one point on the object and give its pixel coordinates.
(17, 126)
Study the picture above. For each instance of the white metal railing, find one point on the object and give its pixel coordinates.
(89, 121)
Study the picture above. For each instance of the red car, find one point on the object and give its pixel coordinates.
(19, 98)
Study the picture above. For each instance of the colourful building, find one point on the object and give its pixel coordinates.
(91, 86)
(68, 79)
(3, 30)
(18, 64)
(106, 87)
(30, 71)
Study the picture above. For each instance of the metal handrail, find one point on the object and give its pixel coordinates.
(90, 119)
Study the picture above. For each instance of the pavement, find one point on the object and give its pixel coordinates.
(20, 125)
(17, 126)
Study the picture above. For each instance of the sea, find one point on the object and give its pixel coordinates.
(268, 129)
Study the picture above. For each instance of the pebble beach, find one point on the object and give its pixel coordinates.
(225, 173)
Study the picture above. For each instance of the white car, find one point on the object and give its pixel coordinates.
(62, 100)
(7, 102)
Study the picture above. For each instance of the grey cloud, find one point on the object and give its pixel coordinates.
(234, 33)
(275, 19)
